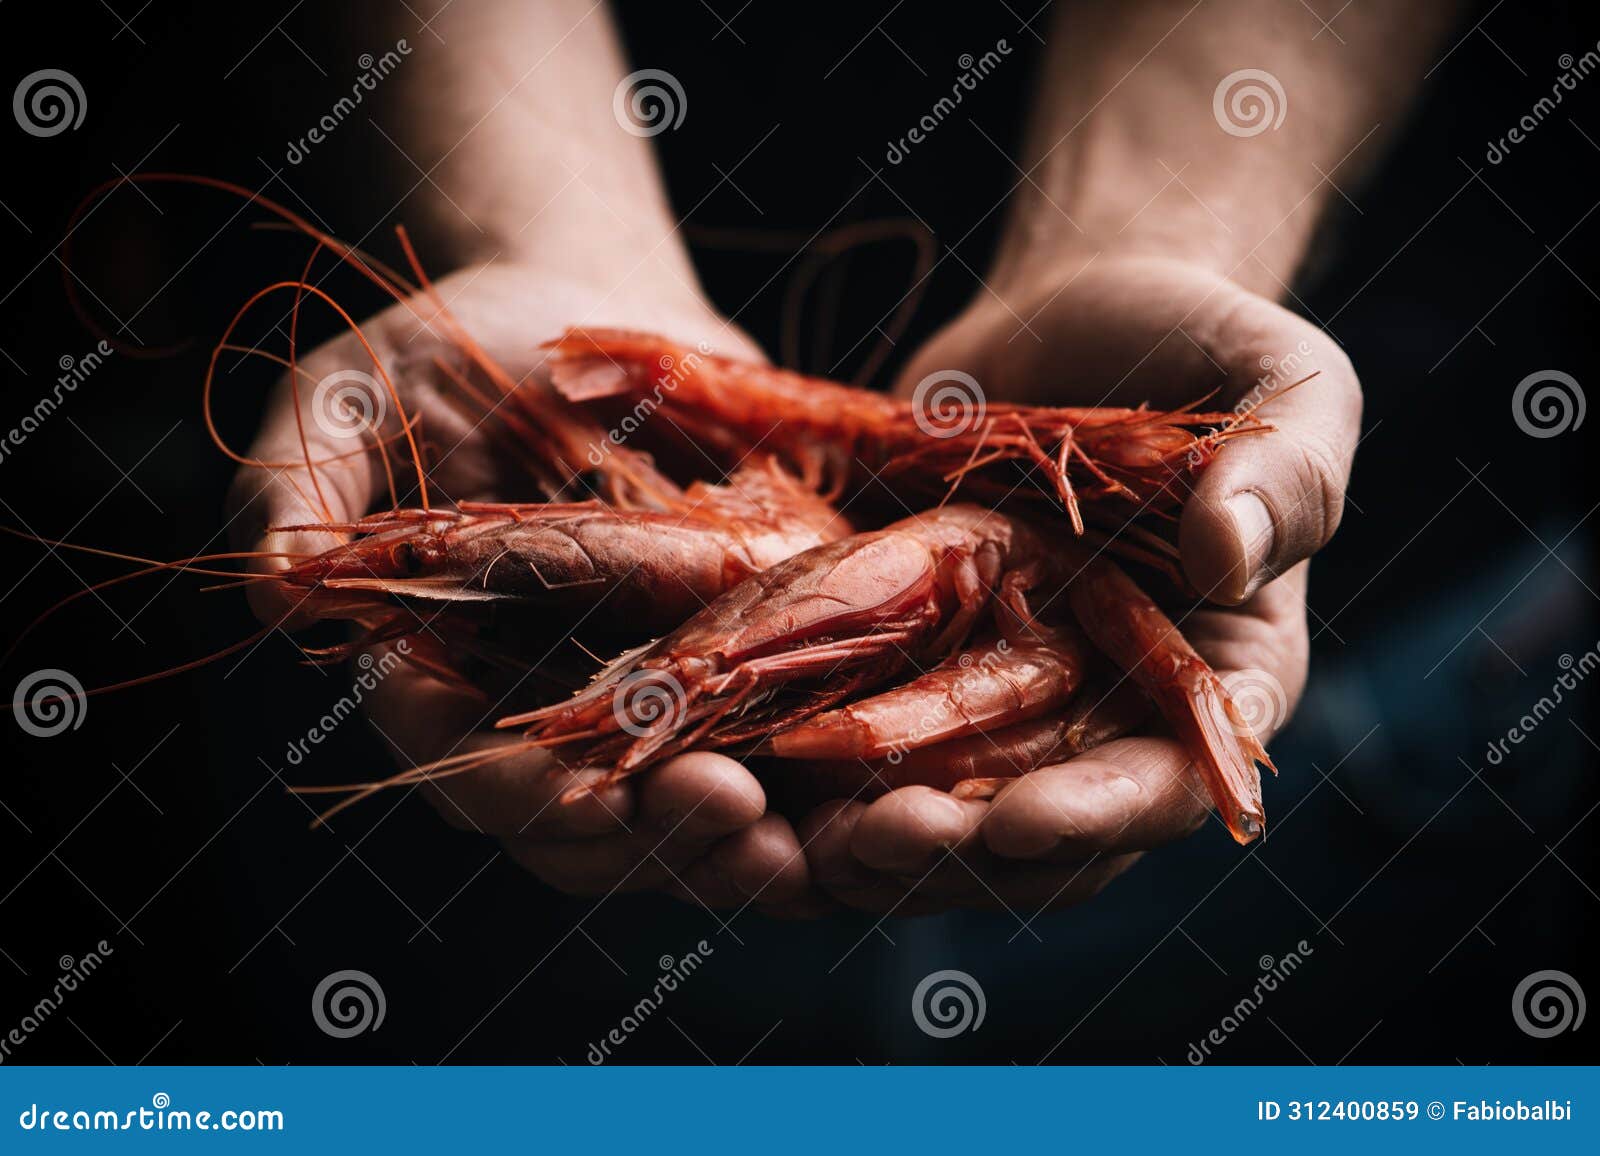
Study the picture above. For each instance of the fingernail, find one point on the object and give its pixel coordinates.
(1252, 522)
(954, 812)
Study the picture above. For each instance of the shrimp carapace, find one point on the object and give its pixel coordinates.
(775, 654)
(1135, 460)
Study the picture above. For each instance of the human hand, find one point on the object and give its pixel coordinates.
(696, 825)
(1121, 331)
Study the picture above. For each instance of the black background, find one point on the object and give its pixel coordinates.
(1425, 894)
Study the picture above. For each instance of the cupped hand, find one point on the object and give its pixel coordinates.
(1120, 331)
(696, 826)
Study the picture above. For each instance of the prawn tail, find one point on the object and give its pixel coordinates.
(1225, 752)
(1131, 630)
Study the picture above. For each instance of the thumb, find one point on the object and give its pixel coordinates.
(1271, 500)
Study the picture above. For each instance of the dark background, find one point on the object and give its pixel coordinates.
(1425, 890)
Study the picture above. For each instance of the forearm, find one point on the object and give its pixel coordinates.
(509, 110)
(1128, 150)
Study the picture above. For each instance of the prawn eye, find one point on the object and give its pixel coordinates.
(407, 559)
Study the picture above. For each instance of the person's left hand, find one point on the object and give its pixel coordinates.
(1166, 332)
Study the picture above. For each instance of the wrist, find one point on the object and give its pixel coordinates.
(607, 240)
(1229, 209)
(543, 292)
(1047, 242)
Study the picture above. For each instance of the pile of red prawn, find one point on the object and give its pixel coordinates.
(992, 632)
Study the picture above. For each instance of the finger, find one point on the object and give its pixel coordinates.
(1266, 636)
(1271, 500)
(826, 834)
(975, 882)
(908, 831)
(304, 420)
(1129, 795)
(764, 861)
(699, 796)
(1137, 793)
(525, 793)
(519, 794)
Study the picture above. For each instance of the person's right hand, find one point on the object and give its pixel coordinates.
(1129, 330)
(697, 825)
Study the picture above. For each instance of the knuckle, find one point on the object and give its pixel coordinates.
(1325, 470)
